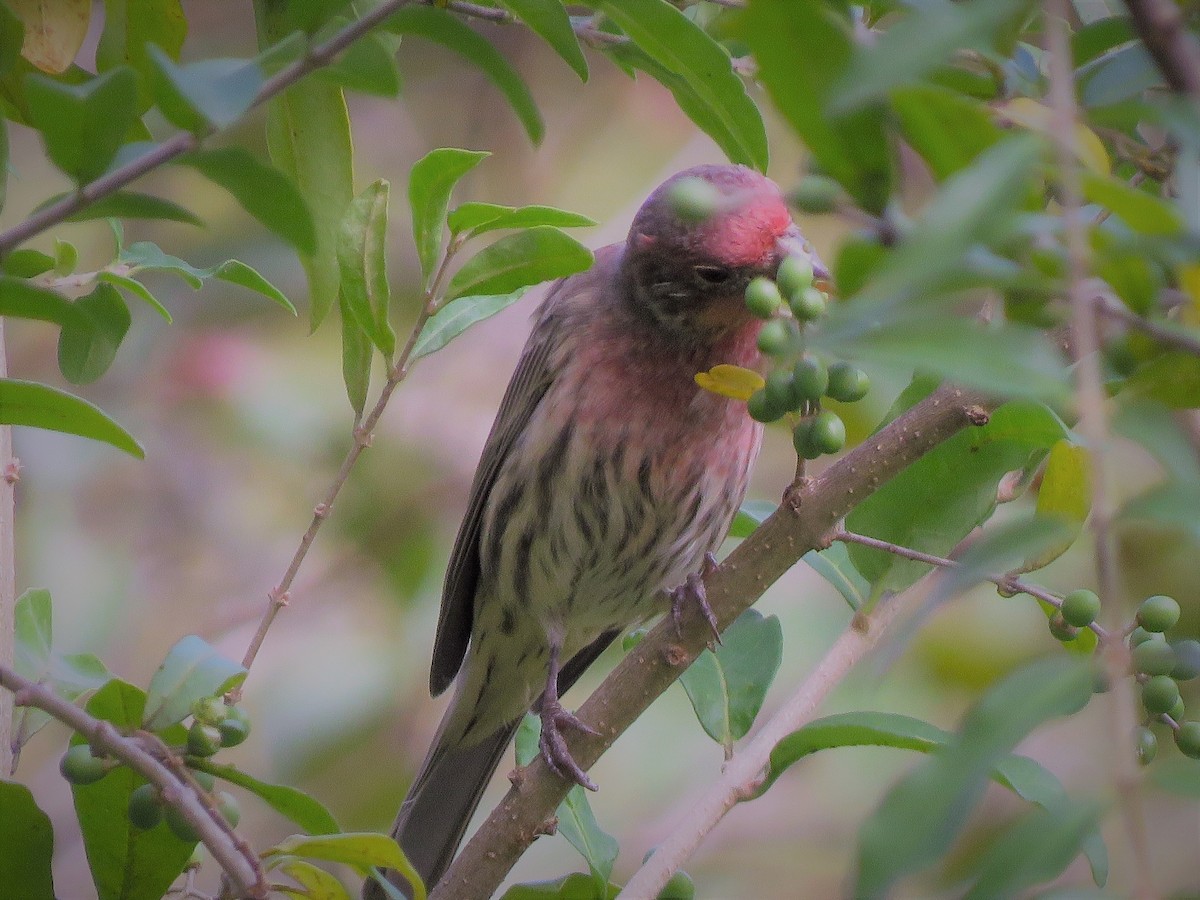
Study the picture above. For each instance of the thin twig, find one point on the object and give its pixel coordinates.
(1164, 334)
(584, 29)
(742, 774)
(9, 469)
(1093, 423)
(240, 863)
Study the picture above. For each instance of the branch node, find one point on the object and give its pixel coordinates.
(12, 471)
(977, 415)
(861, 622)
(322, 510)
(548, 827)
(518, 776)
(675, 655)
(363, 436)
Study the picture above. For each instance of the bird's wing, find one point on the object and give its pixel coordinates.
(525, 391)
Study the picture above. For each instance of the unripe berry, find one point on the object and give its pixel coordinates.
(228, 806)
(693, 199)
(807, 304)
(203, 740)
(1177, 711)
(802, 440)
(210, 710)
(847, 383)
(809, 378)
(79, 766)
(1061, 629)
(235, 728)
(680, 887)
(1187, 739)
(1187, 660)
(181, 827)
(1081, 607)
(775, 338)
(762, 297)
(1159, 694)
(1140, 635)
(794, 275)
(1158, 613)
(815, 194)
(779, 390)
(204, 779)
(145, 809)
(1147, 746)
(760, 407)
(1154, 658)
(828, 432)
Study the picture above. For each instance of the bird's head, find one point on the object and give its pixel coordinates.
(697, 242)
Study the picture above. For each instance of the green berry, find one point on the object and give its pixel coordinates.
(775, 338)
(828, 432)
(762, 297)
(809, 379)
(204, 779)
(779, 390)
(79, 766)
(1061, 629)
(794, 275)
(145, 808)
(1081, 607)
(235, 728)
(815, 194)
(807, 304)
(1154, 658)
(693, 199)
(847, 383)
(203, 740)
(802, 440)
(180, 826)
(760, 407)
(1140, 635)
(1158, 613)
(1159, 694)
(1187, 739)
(680, 887)
(228, 806)
(210, 710)
(1187, 660)
(1147, 746)
(1176, 712)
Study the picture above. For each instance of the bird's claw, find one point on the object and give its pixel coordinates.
(692, 591)
(554, 746)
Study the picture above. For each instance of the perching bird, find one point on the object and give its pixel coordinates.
(606, 479)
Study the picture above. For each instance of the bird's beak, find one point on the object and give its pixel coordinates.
(792, 243)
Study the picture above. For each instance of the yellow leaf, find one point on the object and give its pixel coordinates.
(730, 381)
(1065, 494)
(54, 31)
(1029, 113)
(1189, 280)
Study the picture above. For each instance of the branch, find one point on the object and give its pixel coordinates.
(184, 142)
(1164, 334)
(1159, 23)
(9, 473)
(239, 862)
(810, 507)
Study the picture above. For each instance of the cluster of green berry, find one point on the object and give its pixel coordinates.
(800, 378)
(214, 725)
(1159, 665)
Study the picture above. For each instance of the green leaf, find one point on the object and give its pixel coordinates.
(28, 841)
(454, 318)
(136, 288)
(20, 299)
(88, 344)
(751, 514)
(575, 886)
(939, 499)
(191, 671)
(83, 125)
(442, 27)
(835, 566)
(518, 260)
(41, 406)
(549, 19)
(1141, 211)
(26, 263)
(317, 884)
(263, 191)
(362, 255)
(1119, 75)
(356, 358)
(126, 862)
(680, 47)
(923, 813)
(366, 66)
(1172, 378)
(144, 255)
(129, 205)
(12, 36)
(801, 50)
(946, 129)
(130, 28)
(237, 272)
(357, 850)
(205, 95)
(66, 256)
(920, 41)
(577, 823)
(727, 687)
(430, 183)
(478, 218)
(295, 805)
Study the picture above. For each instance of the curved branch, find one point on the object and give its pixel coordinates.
(1159, 23)
(811, 507)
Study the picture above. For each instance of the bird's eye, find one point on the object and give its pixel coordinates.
(713, 274)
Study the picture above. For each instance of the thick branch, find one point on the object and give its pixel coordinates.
(810, 509)
(8, 581)
(1159, 23)
(238, 862)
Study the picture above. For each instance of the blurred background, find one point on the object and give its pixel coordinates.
(244, 420)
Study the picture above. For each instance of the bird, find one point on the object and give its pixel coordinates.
(607, 481)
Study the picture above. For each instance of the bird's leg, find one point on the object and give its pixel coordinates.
(692, 591)
(554, 718)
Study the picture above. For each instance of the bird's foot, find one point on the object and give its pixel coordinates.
(555, 718)
(692, 591)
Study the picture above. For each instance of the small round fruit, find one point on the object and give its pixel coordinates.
(807, 304)
(1177, 711)
(794, 275)
(1187, 739)
(203, 740)
(1158, 613)
(1061, 629)
(815, 194)
(809, 378)
(1154, 658)
(228, 805)
(1159, 694)
(235, 728)
(828, 432)
(760, 408)
(180, 826)
(847, 383)
(1147, 746)
(1081, 607)
(210, 710)
(204, 779)
(762, 297)
(680, 887)
(693, 199)
(802, 439)
(779, 390)
(1187, 660)
(145, 808)
(1140, 635)
(78, 765)
(774, 339)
